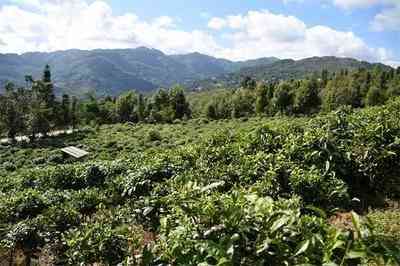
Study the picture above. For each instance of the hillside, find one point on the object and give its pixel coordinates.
(286, 69)
(111, 71)
(221, 191)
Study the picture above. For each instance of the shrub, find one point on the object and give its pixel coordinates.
(8, 166)
(95, 243)
(154, 135)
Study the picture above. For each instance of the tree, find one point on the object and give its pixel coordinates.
(375, 97)
(262, 99)
(210, 111)
(12, 116)
(91, 110)
(38, 117)
(282, 97)
(306, 98)
(324, 77)
(141, 108)
(243, 103)
(248, 83)
(47, 88)
(179, 104)
(125, 107)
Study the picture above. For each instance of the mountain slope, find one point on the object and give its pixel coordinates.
(114, 71)
(286, 69)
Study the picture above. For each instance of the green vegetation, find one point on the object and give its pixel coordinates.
(287, 69)
(324, 91)
(249, 191)
(272, 173)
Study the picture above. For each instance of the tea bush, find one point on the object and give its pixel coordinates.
(255, 192)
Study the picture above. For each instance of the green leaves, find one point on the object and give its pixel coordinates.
(302, 247)
(249, 194)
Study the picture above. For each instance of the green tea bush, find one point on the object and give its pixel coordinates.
(95, 243)
(154, 135)
(255, 192)
(26, 204)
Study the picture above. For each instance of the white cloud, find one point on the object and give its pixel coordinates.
(59, 25)
(262, 33)
(217, 23)
(351, 4)
(388, 19)
(286, 2)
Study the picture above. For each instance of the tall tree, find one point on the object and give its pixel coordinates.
(39, 114)
(125, 107)
(47, 88)
(306, 98)
(179, 104)
(283, 97)
(261, 99)
(12, 116)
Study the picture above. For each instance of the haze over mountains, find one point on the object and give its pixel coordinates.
(113, 71)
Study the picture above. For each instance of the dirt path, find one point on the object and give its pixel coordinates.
(26, 138)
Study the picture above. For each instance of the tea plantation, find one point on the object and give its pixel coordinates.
(257, 191)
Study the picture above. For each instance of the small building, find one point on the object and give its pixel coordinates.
(74, 152)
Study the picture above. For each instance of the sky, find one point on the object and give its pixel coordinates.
(232, 29)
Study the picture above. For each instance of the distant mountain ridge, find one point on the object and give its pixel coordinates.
(287, 69)
(116, 70)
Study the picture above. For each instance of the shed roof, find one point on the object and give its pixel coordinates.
(75, 152)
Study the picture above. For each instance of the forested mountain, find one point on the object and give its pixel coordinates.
(287, 69)
(110, 72)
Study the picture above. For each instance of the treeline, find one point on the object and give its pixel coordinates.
(320, 92)
(34, 110)
(164, 106)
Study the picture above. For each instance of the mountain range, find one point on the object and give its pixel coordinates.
(110, 72)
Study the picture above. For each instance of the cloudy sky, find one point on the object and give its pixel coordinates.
(233, 29)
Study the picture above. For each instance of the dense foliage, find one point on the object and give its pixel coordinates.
(323, 91)
(257, 192)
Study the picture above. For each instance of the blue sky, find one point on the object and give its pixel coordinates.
(364, 29)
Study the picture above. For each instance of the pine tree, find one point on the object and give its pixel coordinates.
(47, 88)
(179, 104)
